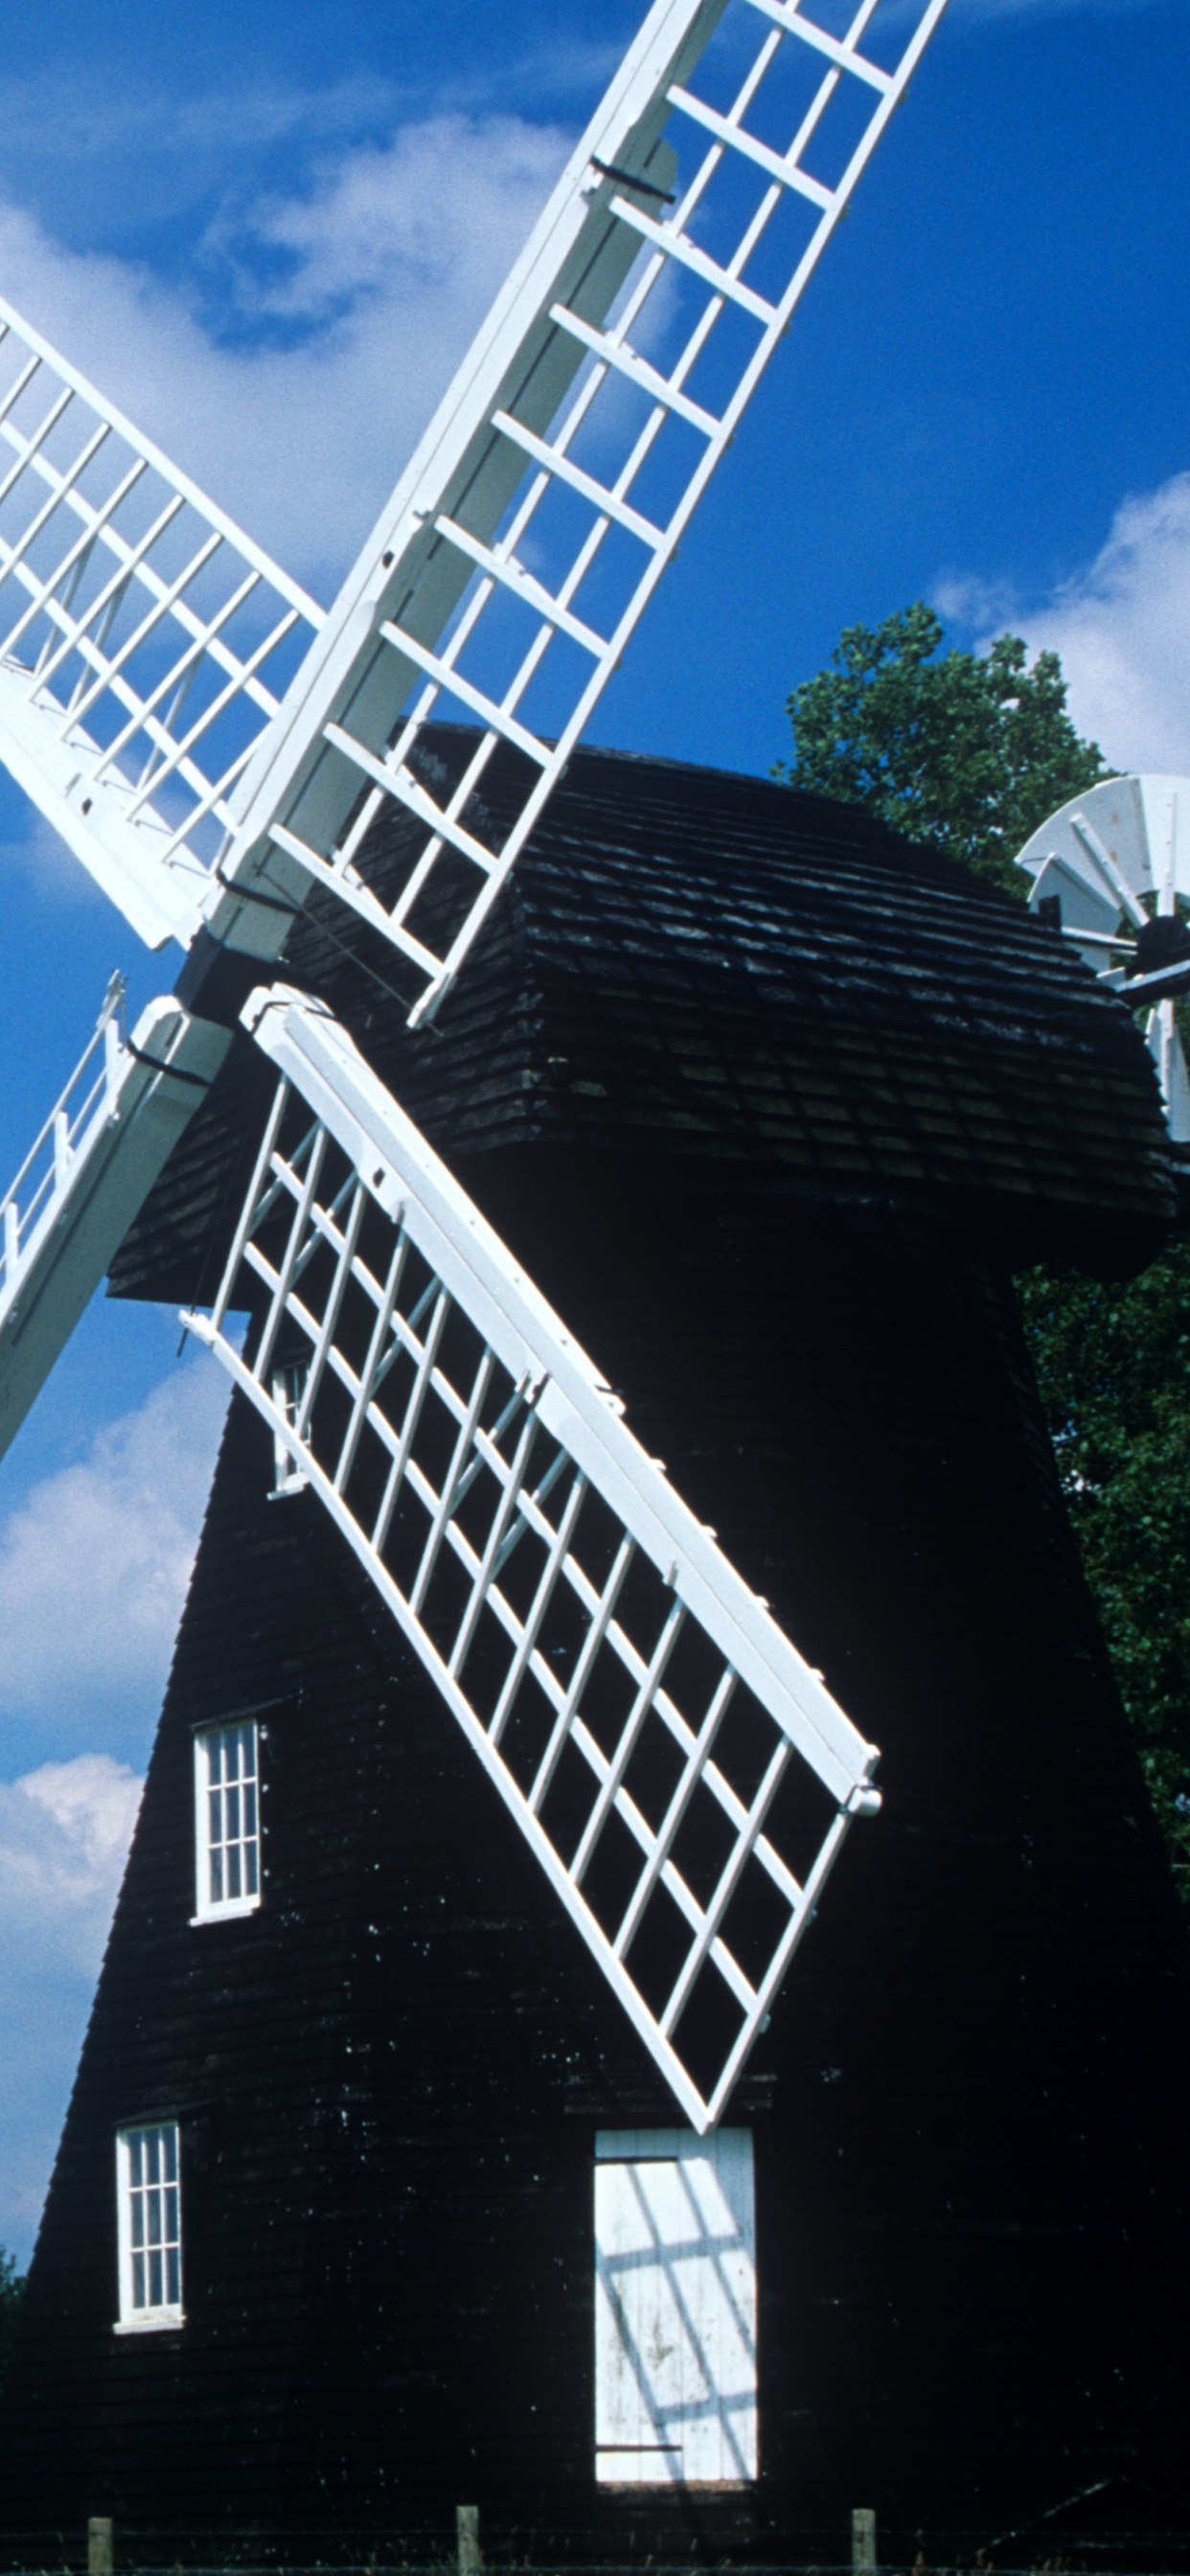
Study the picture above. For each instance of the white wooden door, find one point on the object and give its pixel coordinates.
(675, 2308)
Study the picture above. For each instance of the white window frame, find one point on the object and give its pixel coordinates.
(162, 2141)
(209, 1908)
(675, 2310)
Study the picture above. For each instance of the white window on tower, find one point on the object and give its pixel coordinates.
(675, 2308)
(149, 2226)
(226, 1821)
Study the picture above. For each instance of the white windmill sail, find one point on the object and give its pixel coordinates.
(507, 572)
(145, 641)
(1109, 866)
(683, 1776)
(85, 1178)
(212, 748)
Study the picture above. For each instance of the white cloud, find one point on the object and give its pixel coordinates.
(95, 1561)
(96, 143)
(345, 309)
(1122, 628)
(94, 1565)
(392, 222)
(99, 144)
(64, 1835)
(49, 867)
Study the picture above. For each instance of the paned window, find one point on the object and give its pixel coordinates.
(227, 1820)
(149, 2225)
(675, 2308)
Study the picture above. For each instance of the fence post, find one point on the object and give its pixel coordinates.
(470, 2553)
(863, 2540)
(99, 2545)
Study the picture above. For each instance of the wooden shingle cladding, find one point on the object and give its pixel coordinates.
(720, 969)
(970, 2183)
(971, 2192)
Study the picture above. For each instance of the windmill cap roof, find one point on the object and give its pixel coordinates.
(720, 971)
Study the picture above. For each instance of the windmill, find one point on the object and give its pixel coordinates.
(427, 1476)
(139, 707)
(1110, 869)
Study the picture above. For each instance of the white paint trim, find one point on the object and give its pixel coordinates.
(223, 1909)
(131, 2319)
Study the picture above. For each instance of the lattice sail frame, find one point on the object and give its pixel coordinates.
(682, 1775)
(627, 330)
(141, 668)
(86, 1177)
(145, 641)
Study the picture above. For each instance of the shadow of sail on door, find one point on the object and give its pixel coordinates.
(675, 2308)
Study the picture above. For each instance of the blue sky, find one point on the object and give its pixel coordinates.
(268, 232)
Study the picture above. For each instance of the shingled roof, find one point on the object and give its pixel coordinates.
(693, 964)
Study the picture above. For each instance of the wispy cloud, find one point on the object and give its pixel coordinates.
(94, 1566)
(1122, 628)
(1121, 625)
(95, 1562)
(385, 224)
(100, 150)
(341, 313)
(53, 874)
(64, 1835)
(75, 129)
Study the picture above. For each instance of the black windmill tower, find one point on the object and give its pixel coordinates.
(446, 2125)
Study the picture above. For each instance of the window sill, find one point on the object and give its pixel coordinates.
(161, 2321)
(233, 1912)
(659, 2472)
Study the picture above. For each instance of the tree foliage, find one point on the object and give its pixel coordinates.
(969, 750)
(11, 2287)
(972, 752)
(1113, 1368)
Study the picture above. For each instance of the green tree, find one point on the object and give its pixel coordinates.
(969, 750)
(11, 2287)
(972, 752)
(1113, 1368)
